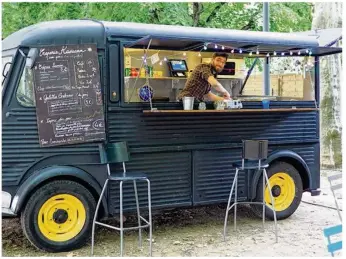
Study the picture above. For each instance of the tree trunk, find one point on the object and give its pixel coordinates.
(329, 15)
(197, 10)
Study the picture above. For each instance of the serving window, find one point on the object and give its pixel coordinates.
(164, 74)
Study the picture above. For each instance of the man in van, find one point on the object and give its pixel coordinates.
(203, 78)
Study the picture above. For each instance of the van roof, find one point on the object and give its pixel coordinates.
(162, 36)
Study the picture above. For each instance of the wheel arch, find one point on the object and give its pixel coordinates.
(48, 174)
(289, 157)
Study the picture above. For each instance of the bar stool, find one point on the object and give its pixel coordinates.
(116, 153)
(253, 150)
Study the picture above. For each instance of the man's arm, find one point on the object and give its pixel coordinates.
(218, 87)
(213, 97)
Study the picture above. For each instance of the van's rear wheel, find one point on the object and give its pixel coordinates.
(286, 187)
(58, 216)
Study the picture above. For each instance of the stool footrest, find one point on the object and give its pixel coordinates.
(116, 228)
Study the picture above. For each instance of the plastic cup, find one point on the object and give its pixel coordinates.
(265, 104)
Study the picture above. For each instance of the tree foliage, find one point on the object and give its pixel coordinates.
(284, 17)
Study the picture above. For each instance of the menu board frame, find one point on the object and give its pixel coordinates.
(68, 94)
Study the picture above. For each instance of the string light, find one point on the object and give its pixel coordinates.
(223, 47)
(232, 51)
(240, 51)
(257, 52)
(299, 52)
(291, 53)
(306, 51)
(283, 54)
(205, 47)
(164, 59)
(274, 53)
(184, 53)
(215, 46)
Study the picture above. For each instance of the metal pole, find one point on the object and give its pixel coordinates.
(266, 75)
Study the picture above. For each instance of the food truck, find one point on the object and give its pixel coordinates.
(70, 85)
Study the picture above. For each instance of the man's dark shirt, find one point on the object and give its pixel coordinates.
(197, 84)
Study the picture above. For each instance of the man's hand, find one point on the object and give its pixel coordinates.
(226, 95)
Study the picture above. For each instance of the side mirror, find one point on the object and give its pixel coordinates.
(5, 70)
(32, 55)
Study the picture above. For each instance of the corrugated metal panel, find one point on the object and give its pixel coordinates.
(214, 174)
(141, 131)
(170, 177)
(21, 149)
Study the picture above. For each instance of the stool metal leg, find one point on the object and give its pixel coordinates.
(228, 205)
(95, 216)
(150, 219)
(235, 203)
(121, 219)
(263, 201)
(273, 203)
(138, 215)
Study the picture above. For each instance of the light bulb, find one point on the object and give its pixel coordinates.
(232, 51)
(283, 54)
(199, 54)
(257, 52)
(274, 53)
(307, 51)
(215, 46)
(291, 53)
(223, 47)
(184, 53)
(205, 47)
(299, 52)
(250, 54)
(268, 55)
(310, 53)
(240, 51)
(165, 59)
(160, 63)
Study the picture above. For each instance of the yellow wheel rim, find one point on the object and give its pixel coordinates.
(61, 217)
(283, 190)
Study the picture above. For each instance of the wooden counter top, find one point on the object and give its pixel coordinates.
(231, 110)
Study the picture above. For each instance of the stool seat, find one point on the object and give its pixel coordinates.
(128, 177)
(250, 165)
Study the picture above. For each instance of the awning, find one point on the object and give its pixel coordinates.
(186, 44)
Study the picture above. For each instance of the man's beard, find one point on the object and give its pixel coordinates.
(218, 70)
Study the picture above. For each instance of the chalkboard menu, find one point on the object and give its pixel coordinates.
(68, 95)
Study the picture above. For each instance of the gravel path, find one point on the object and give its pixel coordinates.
(198, 232)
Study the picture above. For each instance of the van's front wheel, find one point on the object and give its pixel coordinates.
(58, 216)
(286, 187)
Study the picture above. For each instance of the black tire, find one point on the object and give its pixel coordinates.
(82, 212)
(292, 203)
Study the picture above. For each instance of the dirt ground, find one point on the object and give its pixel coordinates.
(198, 232)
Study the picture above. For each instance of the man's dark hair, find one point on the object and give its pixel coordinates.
(220, 54)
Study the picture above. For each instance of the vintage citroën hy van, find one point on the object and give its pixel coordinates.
(50, 135)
